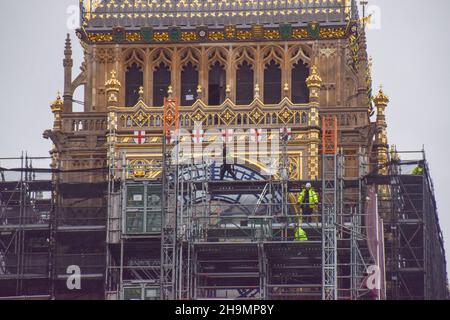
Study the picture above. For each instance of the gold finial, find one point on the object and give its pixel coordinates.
(314, 80)
(141, 92)
(56, 105)
(113, 83)
(199, 89)
(381, 99)
(286, 87)
(170, 91)
(228, 90)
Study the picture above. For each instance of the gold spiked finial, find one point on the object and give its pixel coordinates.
(57, 107)
(57, 104)
(112, 83)
(58, 101)
(381, 99)
(141, 93)
(314, 80)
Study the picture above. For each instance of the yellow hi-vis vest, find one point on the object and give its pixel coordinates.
(300, 235)
(313, 198)
(418, 171)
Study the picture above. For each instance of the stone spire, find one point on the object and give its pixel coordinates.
(113, 86)
(363, 66)
(314, 83)
(68, 65)
(381, 101)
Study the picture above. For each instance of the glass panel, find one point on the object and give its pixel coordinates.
(135, 222)
(154, 222)
(154, 208)
(154, 194)
(132, 294)
(135, 196)
(152, 294)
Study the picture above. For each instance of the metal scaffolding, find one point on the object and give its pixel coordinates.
(415, 246)
(233, 239)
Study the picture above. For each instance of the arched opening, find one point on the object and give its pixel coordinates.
(161, 83)
(272, 83)
(244, 84)
(300, 91)
(134, 79)
(78, 99)
(189, 84)
(217, 84)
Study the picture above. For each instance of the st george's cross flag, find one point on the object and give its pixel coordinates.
(256, 135)
(227, 135)
(139, 137)
(197, 136)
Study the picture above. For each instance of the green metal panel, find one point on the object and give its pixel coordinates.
(143, 212)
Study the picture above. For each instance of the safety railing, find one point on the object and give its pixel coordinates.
(89, 263)
(264, 222)
(81, 216)
(14, 216)
(28, 264)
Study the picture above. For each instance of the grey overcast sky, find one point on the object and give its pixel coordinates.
(411, 58)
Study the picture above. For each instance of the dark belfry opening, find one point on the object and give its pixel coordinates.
(244, 84)
(272, 83)
(189, 84)
(134, 79)
(161, 83)
(217, 84)
(300, 91)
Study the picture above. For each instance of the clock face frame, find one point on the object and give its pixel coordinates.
(243, 203)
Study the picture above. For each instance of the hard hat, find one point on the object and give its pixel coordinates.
(308, 185)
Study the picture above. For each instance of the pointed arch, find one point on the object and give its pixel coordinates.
(190, 55)
(161, 56)
(162, 78)
(300, 91)
(134, 79)
(189, 84)
(273, 53)
(300, 52)
(272, 82)
(217, 54)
